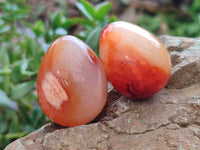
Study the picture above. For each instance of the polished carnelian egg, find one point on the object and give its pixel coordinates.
(71, 84)
(136, 62)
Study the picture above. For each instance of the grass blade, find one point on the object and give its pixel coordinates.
(6, 102)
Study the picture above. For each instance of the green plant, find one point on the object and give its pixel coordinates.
(20, 58)
(96, 18)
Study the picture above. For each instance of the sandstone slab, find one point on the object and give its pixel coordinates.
(169, 120)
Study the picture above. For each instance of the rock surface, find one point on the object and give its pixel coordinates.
(185, 56)
(168, 120)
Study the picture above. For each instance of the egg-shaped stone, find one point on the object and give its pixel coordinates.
(71, 83)
(136, 63)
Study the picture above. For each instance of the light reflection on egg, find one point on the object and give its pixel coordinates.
(136, 62)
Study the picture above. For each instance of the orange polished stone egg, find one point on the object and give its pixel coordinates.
(71, 84)
(136, 62)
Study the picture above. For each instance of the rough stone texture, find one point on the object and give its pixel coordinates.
(169, 120)
(185, 56)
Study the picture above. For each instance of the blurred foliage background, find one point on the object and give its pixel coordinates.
(25, 36)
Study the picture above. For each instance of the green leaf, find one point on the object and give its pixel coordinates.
(6, 102)
(28, 74)
(14, 126)
(6, 59)
(4, 29)
(16, 74)
(113, 19)
(3, 125)
(20, 1)
(86, 9)
(12, 136)
(37, 115)
(85, 23)
(24, 64)
(20, 16)
(22, 90)
(93, 38)
(1, 22)
(4, 141)
(49, 35)
(11, 7)
(68, 23)
(38, 28)
(90, 8)
(195, 6)
(102, 10)
(57, 19)
(26, 117)
(33, 50)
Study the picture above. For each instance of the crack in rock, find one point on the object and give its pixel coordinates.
(138, 133)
